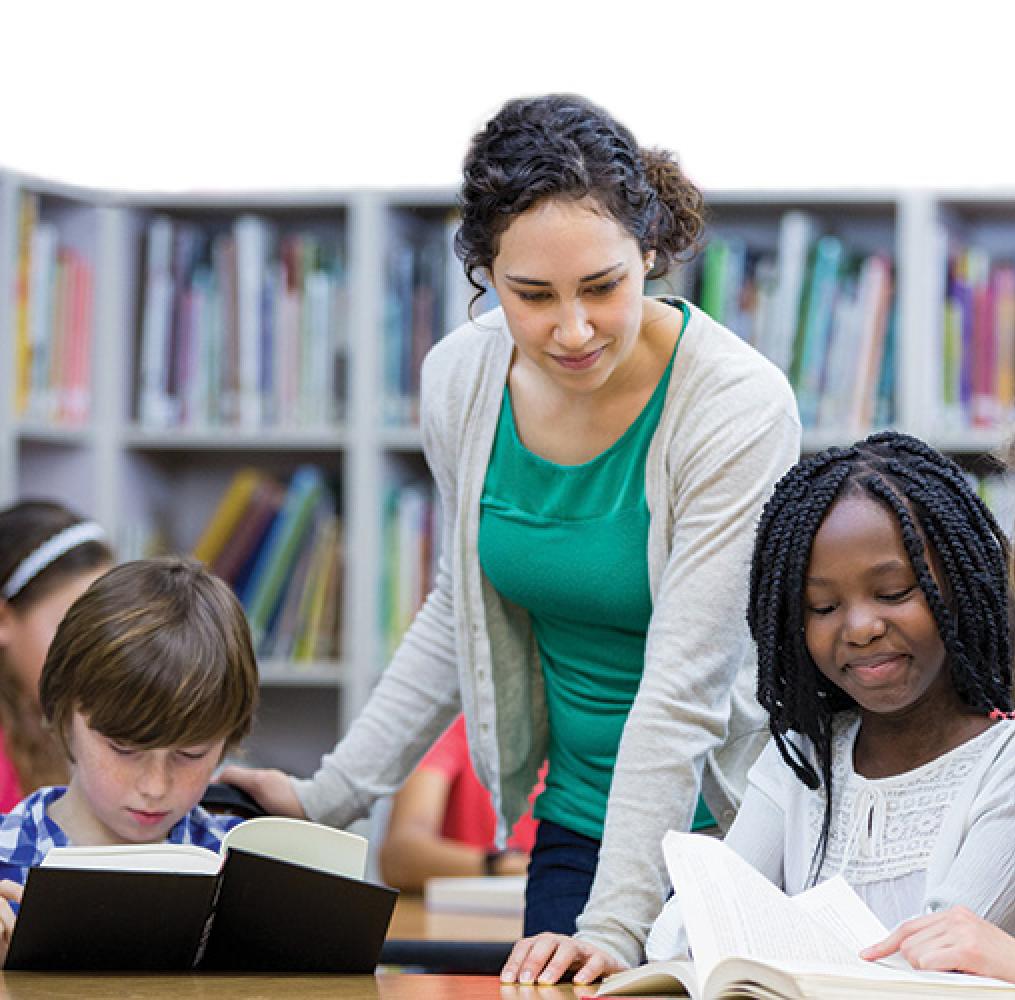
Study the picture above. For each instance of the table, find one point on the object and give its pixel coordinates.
(471, 944)
(209, 986)
(412, 922)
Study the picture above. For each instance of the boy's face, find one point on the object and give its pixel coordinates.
(122, 794)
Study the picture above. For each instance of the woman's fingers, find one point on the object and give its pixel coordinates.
(546, 958)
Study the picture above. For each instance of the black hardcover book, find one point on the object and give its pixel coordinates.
(279, 902)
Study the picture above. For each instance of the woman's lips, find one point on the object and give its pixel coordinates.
(578, 362)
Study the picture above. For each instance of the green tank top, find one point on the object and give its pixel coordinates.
(569, 544)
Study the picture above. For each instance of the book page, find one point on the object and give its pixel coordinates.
(672, 978)
(836, 905)
(184, 859)
(732, 910)
(302, 843)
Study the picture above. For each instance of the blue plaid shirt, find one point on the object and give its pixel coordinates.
(27, 833)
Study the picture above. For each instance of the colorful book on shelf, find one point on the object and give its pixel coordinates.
(28, 213)
(329, 645)
(312, 605)
(153, 385)
(282, 895)
(797, 232)
(876, 303)
(227, 516)
(277, 555)
(1004, 325)
(816, 327)
(280, 640)
(240, 551)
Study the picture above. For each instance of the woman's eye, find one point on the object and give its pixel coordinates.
(533, 296)
(604, 289)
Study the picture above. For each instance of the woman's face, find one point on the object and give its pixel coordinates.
(571, 281)
(26, 634)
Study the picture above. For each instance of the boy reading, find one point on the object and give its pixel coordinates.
(150, 679)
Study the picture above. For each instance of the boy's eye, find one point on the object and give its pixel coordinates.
(194, 753)
(121, 750)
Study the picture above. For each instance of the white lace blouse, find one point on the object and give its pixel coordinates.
(933, 837)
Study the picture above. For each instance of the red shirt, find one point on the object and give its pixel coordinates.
(10, 784)
(469, 816)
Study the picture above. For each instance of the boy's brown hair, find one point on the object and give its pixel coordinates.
(157, 653)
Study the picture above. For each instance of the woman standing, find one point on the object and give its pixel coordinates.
(602, 458)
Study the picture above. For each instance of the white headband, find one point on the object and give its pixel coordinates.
(48, 553)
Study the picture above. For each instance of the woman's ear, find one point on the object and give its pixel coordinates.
(7, 621)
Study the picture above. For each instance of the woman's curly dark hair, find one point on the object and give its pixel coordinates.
(943, 521)
(564, 146)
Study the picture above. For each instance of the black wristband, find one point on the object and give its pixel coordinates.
(490, 862)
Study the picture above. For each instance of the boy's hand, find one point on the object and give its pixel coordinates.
(546, 957)
(954, 940)
(10, 892)
(272, 789)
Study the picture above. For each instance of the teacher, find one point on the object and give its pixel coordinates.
(602, 458)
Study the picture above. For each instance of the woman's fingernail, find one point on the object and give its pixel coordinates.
(525, 978)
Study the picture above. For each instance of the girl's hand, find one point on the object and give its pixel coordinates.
(954, 940)
(546, 957)
(273, 790)
(10, 892)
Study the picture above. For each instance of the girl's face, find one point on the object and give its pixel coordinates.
(26, 634)
(866, 621)
(120, 794)
(571, 281)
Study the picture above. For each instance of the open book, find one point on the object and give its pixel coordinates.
(749, 939)
(283, 895)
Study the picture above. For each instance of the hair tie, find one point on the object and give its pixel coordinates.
(996, 714)
(47, 553)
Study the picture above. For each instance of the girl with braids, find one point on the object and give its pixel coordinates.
(602, 458)
(48, 557)
(880, 604)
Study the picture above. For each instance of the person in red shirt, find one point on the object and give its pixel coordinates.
(442, 822)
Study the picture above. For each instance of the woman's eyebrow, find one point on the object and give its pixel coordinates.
(521, 280)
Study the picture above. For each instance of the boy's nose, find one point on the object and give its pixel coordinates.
(155, 779)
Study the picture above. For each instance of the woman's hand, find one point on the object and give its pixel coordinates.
(273, 790)
(954, 940)
(10, 892)
(546, 957)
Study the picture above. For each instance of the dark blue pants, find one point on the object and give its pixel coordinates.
(561, 870)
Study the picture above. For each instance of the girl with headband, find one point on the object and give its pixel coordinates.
(48, 557)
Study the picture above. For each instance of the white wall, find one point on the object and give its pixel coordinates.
(302, 93)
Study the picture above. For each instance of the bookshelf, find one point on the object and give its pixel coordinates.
(401, 288)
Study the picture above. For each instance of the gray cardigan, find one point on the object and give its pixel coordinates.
(728, 430)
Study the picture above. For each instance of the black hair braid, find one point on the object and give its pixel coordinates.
(947, 532)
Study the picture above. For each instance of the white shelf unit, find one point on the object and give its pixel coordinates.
(123, 473)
